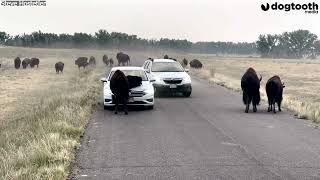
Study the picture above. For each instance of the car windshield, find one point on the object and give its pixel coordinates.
(166, 67)
(138, 73)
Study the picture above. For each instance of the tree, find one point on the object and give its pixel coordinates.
(3, 37)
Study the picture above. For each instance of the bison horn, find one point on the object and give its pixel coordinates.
(260, 78)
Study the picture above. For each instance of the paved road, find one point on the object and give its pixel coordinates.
(207, 136)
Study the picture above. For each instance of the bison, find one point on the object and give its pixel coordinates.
(184, 62)
(111, 62)
(250, 85)
(17, 63)
(59, 67)
(25, 63)
(34, 62)
(123, 58)
(92, 61)
(165, 57)
(81, 62)
(195, 64)
(274, 90)
(119, 86)
(105, 60)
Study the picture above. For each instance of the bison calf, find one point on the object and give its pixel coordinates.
(250, 85)
(274, 90)
(59, 67)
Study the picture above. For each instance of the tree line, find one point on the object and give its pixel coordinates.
(105, 39)
(295, 44)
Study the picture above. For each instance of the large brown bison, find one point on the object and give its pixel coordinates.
(250, 85)
(81, 62)
(59, 67)
(25, 63)
(274, 89)
(92, 61)
(123, 59)
(119, 86)
(184, 62)
(105, 60)
(17, 63)
(34, 62)
(195, 64)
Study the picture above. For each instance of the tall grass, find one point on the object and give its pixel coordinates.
(39, 142)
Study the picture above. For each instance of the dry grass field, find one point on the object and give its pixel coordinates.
(301, 77)
(43, 114)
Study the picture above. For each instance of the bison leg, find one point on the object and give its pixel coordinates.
(269, 105)
(279, 105)
(254, 108)
(274, 106)
(117, 104)
(248, 101)
(125, 106)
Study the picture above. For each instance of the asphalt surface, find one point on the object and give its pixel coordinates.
(206, 136)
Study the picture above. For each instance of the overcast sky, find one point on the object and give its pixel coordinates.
(195, 20)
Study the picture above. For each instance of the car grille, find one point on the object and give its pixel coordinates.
(173, 81)
(137, 93)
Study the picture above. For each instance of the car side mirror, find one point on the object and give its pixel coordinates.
(103, 80)
(186, 70)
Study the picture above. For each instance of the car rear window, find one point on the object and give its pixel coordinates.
(166, 67)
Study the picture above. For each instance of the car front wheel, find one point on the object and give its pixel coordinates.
(186, 94)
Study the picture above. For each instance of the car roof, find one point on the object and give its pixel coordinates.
(124, 68)
(163, 60)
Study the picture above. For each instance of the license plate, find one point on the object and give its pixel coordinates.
(173, 86)
(130, 99)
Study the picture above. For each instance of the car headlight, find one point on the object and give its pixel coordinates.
(107, 92)
(187, 80)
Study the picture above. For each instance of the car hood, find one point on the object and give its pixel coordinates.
(164, 75)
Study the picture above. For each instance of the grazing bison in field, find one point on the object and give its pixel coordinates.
(105, 60)
(59, 67)
(195, 64)
(250, 85)
(123, 59)
(92, 61)
(119, 86)
(274, 89)
(17, 63)
(165, 57)
(184, 62)
(81, 62)
(34, 62)
(25, 63)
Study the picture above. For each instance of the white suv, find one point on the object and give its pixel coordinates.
(138, 96)
(169, 76)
